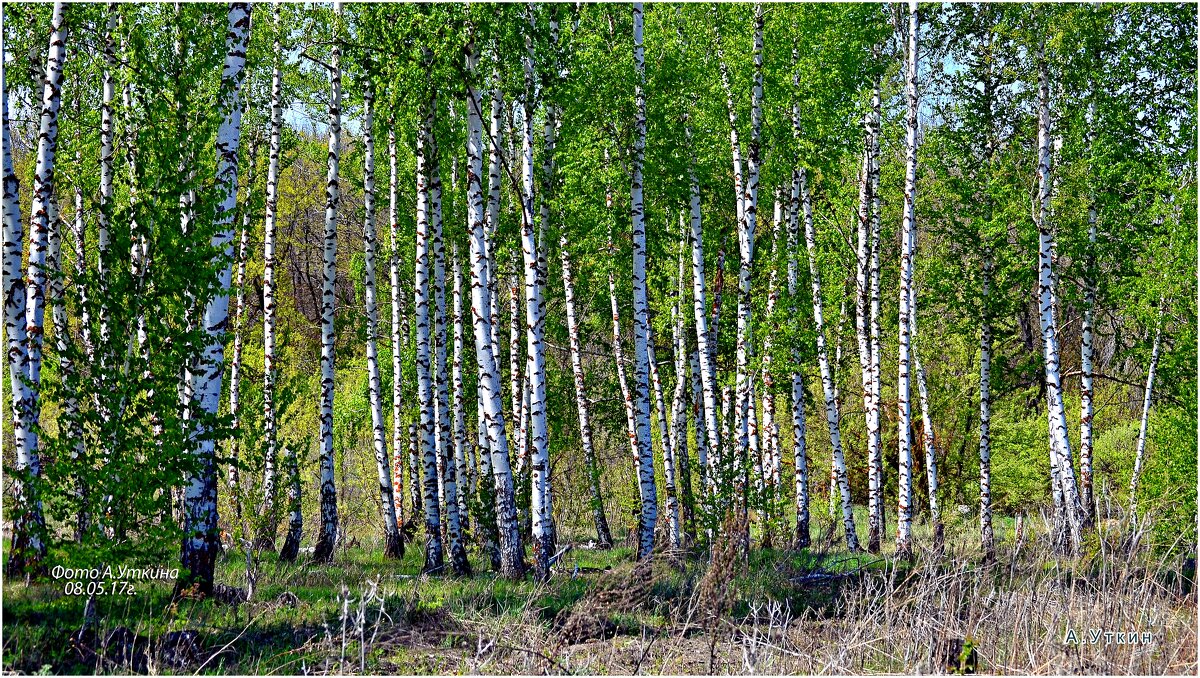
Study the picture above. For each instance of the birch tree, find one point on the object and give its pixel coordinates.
(328, 535)
(1060, 443)
(200, 543)
(266, 534)
(641, 321)
(426, 397)
(799, 423)
(832, 417)
(1139, 456)
(447, 484)
(29, 545)
(536, 436)
(595, 495)
(483, 316)
(672, 498)
(399, 438)
(393, 540)
(907, 251)
(705, 348)
(458, 414)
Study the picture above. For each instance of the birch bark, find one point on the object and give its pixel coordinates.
(426, 398)
(832, 417)
(596, 496)
(1060, 443)
(641, 320)
(266, 535)
(328, 535)
(907, 247)
(484, 317)
(393, 541)
(200, 542)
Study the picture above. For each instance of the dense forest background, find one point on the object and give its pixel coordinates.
(816, 94)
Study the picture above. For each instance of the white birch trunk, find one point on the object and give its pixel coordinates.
(907, 247)
(705, 347)
(595, 495)
(235, 363)
(327, 538)
(927, 437)
(1086, 376)
(462, 472)
(14, 329)
(200, 542)
(536, 435)
(771, 460)
(426, 398)
(393, 542)
(448, 480)
(864, 276)
(483, 312)
(266, 536)
(987, 536)
(399, 438)
(619, 363)
(1139, 458)
(28, 544)
(683, 383)
(799, 424)
(668, 451)
(832, 418)
(641, 320)
(1061, 444)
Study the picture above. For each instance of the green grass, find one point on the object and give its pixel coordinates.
(422, 624)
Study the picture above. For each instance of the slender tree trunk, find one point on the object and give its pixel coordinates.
(595, 495)
(874, 432)
(747, 220)
(679, 427)
(705, 346)
(327, 538)
(28, 545)
(200, 542)
(799, 423)
(1061, 445)
(664, 435)
(291, 543)
(534, 340)
(483, 312)
(927, 437)
(426, 398)
(66, 366)
(832, 417)
(641, 319)
(14, 332)
(907, 250)
(462, 473)
(266, 535)
(987, 536)
(448, 480)
(862, 331)
(1139, 458)
(393, 541)
(1087, 409)
(771, 461)
(235, 363)
(399, 335)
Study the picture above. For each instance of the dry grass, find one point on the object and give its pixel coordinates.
(781, 612)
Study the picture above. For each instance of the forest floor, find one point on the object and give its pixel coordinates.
(819, 611)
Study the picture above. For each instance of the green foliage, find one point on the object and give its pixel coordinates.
(1170, 472)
